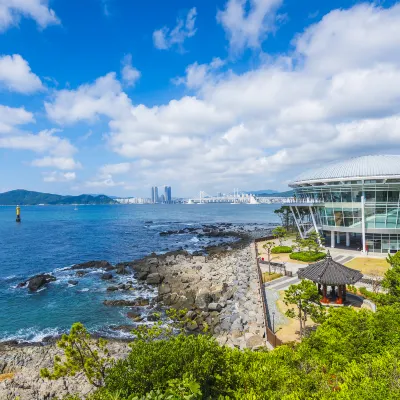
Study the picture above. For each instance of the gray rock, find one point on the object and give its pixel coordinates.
(192, 326)
(164, 289)
(94, 265)
(214, 307)
(106, 277)
(154, 279)
(112, 288)
(72, 282)
(203, 298)
(255, 341)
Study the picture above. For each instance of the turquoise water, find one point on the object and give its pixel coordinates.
(50, 239)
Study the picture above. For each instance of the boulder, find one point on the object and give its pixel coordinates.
(37, 281)
(112, 288)
(154, 279)
(142, 275)
(203, 298)
(81, 273)
(164, 289)
(153, 317)
(135, 316)
(131, 303)
(106, 277)
(192, 326)
(73, 283)
(255, 341)
(94, 265)
(122, 270)
(214, 307)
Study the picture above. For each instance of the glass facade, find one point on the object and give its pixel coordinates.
(339, 205)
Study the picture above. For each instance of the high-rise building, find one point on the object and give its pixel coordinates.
(154, 194)
(168, 194)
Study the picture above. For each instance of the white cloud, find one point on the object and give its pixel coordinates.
(11, 12)
(16, 75)
(44, 141)
(12, 117)
(311, 105)
(63, 163)
(59, 176)
(130, 74)
(197, 75)
(113, 169)
(166, 38)
(248, 22)
(103, 182)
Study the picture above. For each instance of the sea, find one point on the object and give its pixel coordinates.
(50, 239)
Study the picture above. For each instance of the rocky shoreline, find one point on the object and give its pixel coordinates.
(220, 290)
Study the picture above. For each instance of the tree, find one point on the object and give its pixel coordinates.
(306, 298)
(391, 281)
(268, 248)
(313, 242)
(81, 354)
(280, 233)
(298, 243)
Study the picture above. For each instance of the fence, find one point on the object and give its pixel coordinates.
(271, 337)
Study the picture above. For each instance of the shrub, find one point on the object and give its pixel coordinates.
(307, 256)
(270, 277)
(281, 249)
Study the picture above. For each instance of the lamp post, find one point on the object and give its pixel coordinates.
(273, 322)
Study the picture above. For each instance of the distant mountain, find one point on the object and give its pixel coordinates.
(26, 197)
(272, 193)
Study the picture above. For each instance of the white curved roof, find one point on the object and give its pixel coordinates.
(382, 166)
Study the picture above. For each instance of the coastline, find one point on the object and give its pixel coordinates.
(220, 291)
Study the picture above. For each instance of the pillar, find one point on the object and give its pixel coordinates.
(18, 211)
(339, 300)
(347, 239)
(324, 294)
(364, 247)
(338, 238)
(333, 239)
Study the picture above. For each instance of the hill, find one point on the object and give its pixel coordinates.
(26, 197)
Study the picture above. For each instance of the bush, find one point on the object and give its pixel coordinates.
(270, 277)
(281, 249)
(307, 256)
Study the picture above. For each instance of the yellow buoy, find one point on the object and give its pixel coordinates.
(18, 214)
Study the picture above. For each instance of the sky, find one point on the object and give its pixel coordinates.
(116, 96)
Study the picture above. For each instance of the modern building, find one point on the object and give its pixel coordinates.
(154, 194)
(168, 194)
(353, 203)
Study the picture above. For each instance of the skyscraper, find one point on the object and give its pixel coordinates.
(167, 194)
(154, 194)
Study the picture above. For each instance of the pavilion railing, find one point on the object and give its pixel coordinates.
(272, 339)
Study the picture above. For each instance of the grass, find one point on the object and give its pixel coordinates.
(369, 266)
(270, 277)
(3, 377)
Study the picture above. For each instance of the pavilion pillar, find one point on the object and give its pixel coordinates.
(338, 238)
(347, 239)
(324, 294)
(344, 293)
(333, 239)
(339, 300)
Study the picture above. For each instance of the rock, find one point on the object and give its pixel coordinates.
(37, 281)
(164, 289)
(142, 275)
(73, 283)
(153, 317)
(199, 259)
(106, 277)
(255, 341)
(123, 328)
(81, 273)
(192, 326)
(214, 307)
(203, 298)
(112, 288)
(122, 270)
(94, 265)
(131, 303)
(154, 279)
(136, 316)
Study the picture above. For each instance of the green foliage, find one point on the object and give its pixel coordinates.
(81, 354)
(307, 256)
(280, 233)
(306, 298)
(281, 249)
(351, 355)
(391, 280)
(268, 246)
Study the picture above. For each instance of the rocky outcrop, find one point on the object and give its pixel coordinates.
(94, 265)
(140, 302)
(106, 277)
(72, 282)
(36, 282)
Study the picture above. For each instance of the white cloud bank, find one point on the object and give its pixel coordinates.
(166, 38)
(11, 12)
(16, 75)
(335, 94)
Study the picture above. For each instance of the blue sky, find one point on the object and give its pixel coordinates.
(114, 96)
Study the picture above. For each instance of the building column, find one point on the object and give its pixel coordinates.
(297, 222)
(364, 246)
(348, 239)
(338, 238)
(333, 239)
(324, 294)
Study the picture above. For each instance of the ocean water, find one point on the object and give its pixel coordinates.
(52, 238)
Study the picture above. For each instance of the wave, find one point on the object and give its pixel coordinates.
(32, 334)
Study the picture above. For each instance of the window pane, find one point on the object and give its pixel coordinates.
(338, 218)
(346, 196)
(348, 221)
(356, 195)
(336, 197)
(393, 196)
(370, 195)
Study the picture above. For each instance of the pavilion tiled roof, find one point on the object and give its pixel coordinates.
(330, 272)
